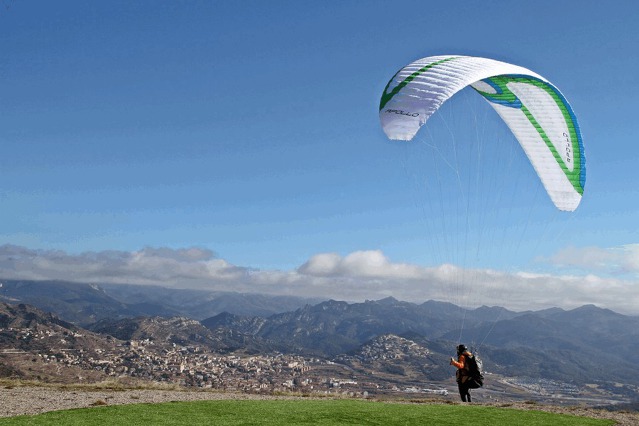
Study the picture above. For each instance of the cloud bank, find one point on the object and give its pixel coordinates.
(622, 260)
(357, 276)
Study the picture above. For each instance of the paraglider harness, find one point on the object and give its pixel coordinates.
(475, 378)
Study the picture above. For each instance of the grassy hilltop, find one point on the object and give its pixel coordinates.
(304, 412)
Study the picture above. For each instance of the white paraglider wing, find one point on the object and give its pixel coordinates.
(536, 112)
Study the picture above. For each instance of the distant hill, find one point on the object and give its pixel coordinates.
(180, 331)
(23, 327)
(77, 303)
(200, 304)
(336, 327)
(84, 304)
(584, 345)
(410, 361)
(25, 316)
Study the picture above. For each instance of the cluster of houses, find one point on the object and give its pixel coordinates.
(542, 386)
(196, 366)
(190, 366)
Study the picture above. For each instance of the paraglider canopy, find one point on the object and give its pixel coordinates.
(534, 109)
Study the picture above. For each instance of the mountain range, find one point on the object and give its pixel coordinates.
(84, 304)
(582, 345)
(587, 345)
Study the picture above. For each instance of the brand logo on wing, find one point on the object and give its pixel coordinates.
(400, 112)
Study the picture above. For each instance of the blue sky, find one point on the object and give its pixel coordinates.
(245, 136)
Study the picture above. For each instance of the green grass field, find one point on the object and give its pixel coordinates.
(296, 412)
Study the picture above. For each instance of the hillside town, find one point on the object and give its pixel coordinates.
(195, 366)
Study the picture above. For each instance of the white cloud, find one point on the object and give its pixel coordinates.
(193, 267)
(371, 263)
(614, 260)
(355, 277)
